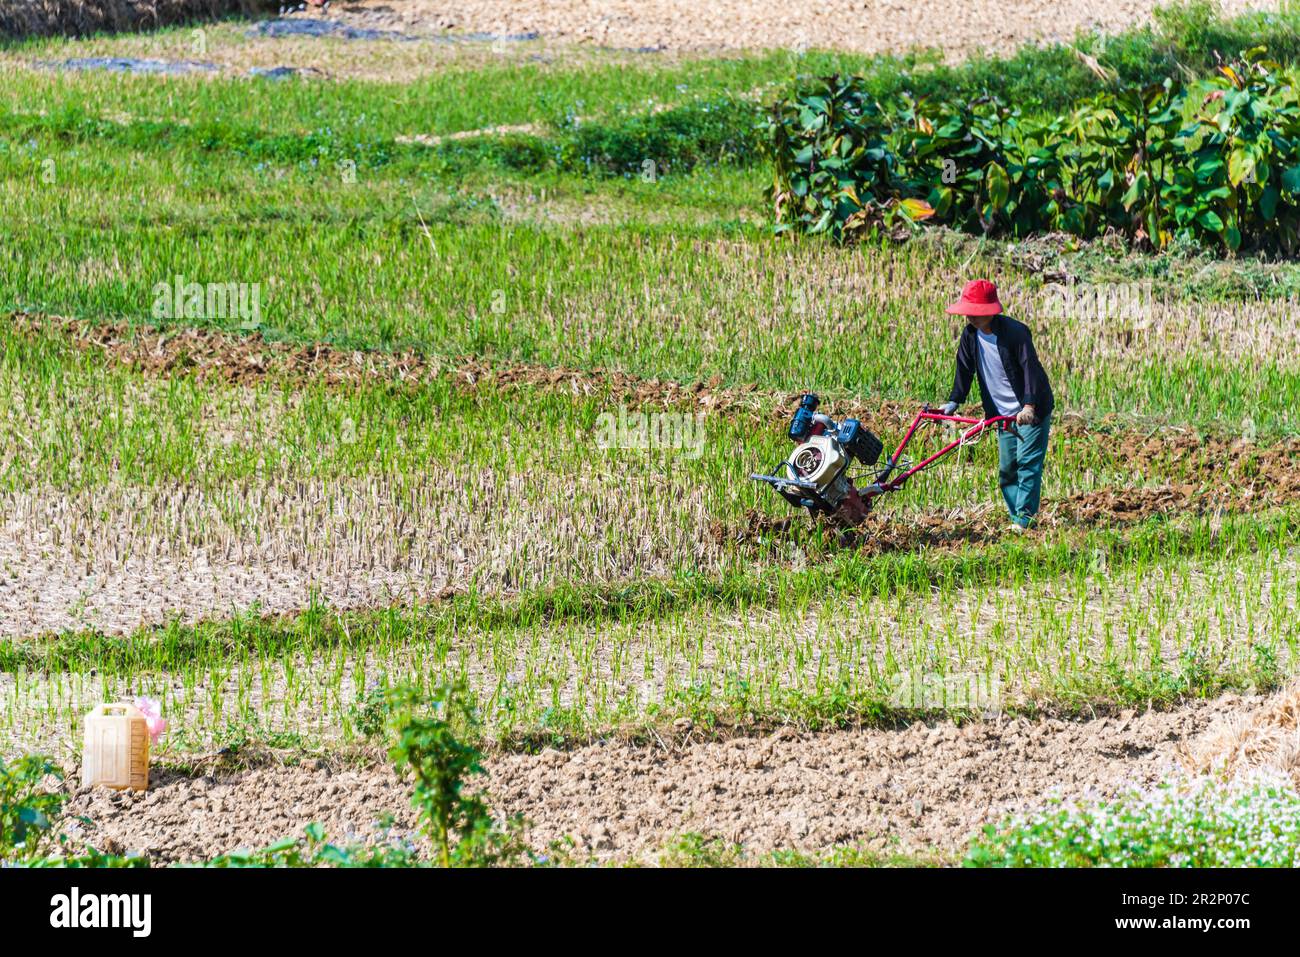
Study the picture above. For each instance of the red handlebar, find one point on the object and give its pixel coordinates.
(977, 426)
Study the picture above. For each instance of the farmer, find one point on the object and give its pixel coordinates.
(1000, 351)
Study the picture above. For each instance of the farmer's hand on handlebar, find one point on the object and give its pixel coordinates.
(948, 408)
(1027, 416)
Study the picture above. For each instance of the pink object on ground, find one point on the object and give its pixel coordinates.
(152, 711)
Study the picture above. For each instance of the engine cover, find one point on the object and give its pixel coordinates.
(818, 460)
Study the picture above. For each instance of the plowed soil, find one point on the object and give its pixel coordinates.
(922, 788)
(1105, 507)
(251, 359)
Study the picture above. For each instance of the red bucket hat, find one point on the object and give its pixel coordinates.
(979, 298)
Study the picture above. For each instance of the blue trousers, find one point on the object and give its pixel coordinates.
(1020, 469)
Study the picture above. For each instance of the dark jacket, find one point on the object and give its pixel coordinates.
(1019, 361)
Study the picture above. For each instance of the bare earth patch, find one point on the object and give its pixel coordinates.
(870, 26)
(413, 38)
(919, 789)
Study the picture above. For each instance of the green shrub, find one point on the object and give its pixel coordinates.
(674, 140)
(1210, 824)
(1214, 163)
(835, 168)
(1195, 30)
(519, 152)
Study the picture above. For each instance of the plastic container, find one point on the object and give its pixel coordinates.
(116, 751)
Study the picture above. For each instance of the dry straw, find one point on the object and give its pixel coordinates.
(1266, 738)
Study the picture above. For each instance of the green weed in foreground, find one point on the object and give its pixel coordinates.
(27, 811)
(693, 849)
(456, 821)
(314, 849)
(32, 820)
(1208, 824)
(428, 731)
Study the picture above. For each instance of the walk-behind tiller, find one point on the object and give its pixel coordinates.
(817, 472)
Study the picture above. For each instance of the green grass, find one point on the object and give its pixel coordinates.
(150, 431)
(653, 300)
(826, 646)
(593, 595)
(907, 576)
(446, 102)
(489, 247)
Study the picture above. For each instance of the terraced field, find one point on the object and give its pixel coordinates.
(374, 459)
